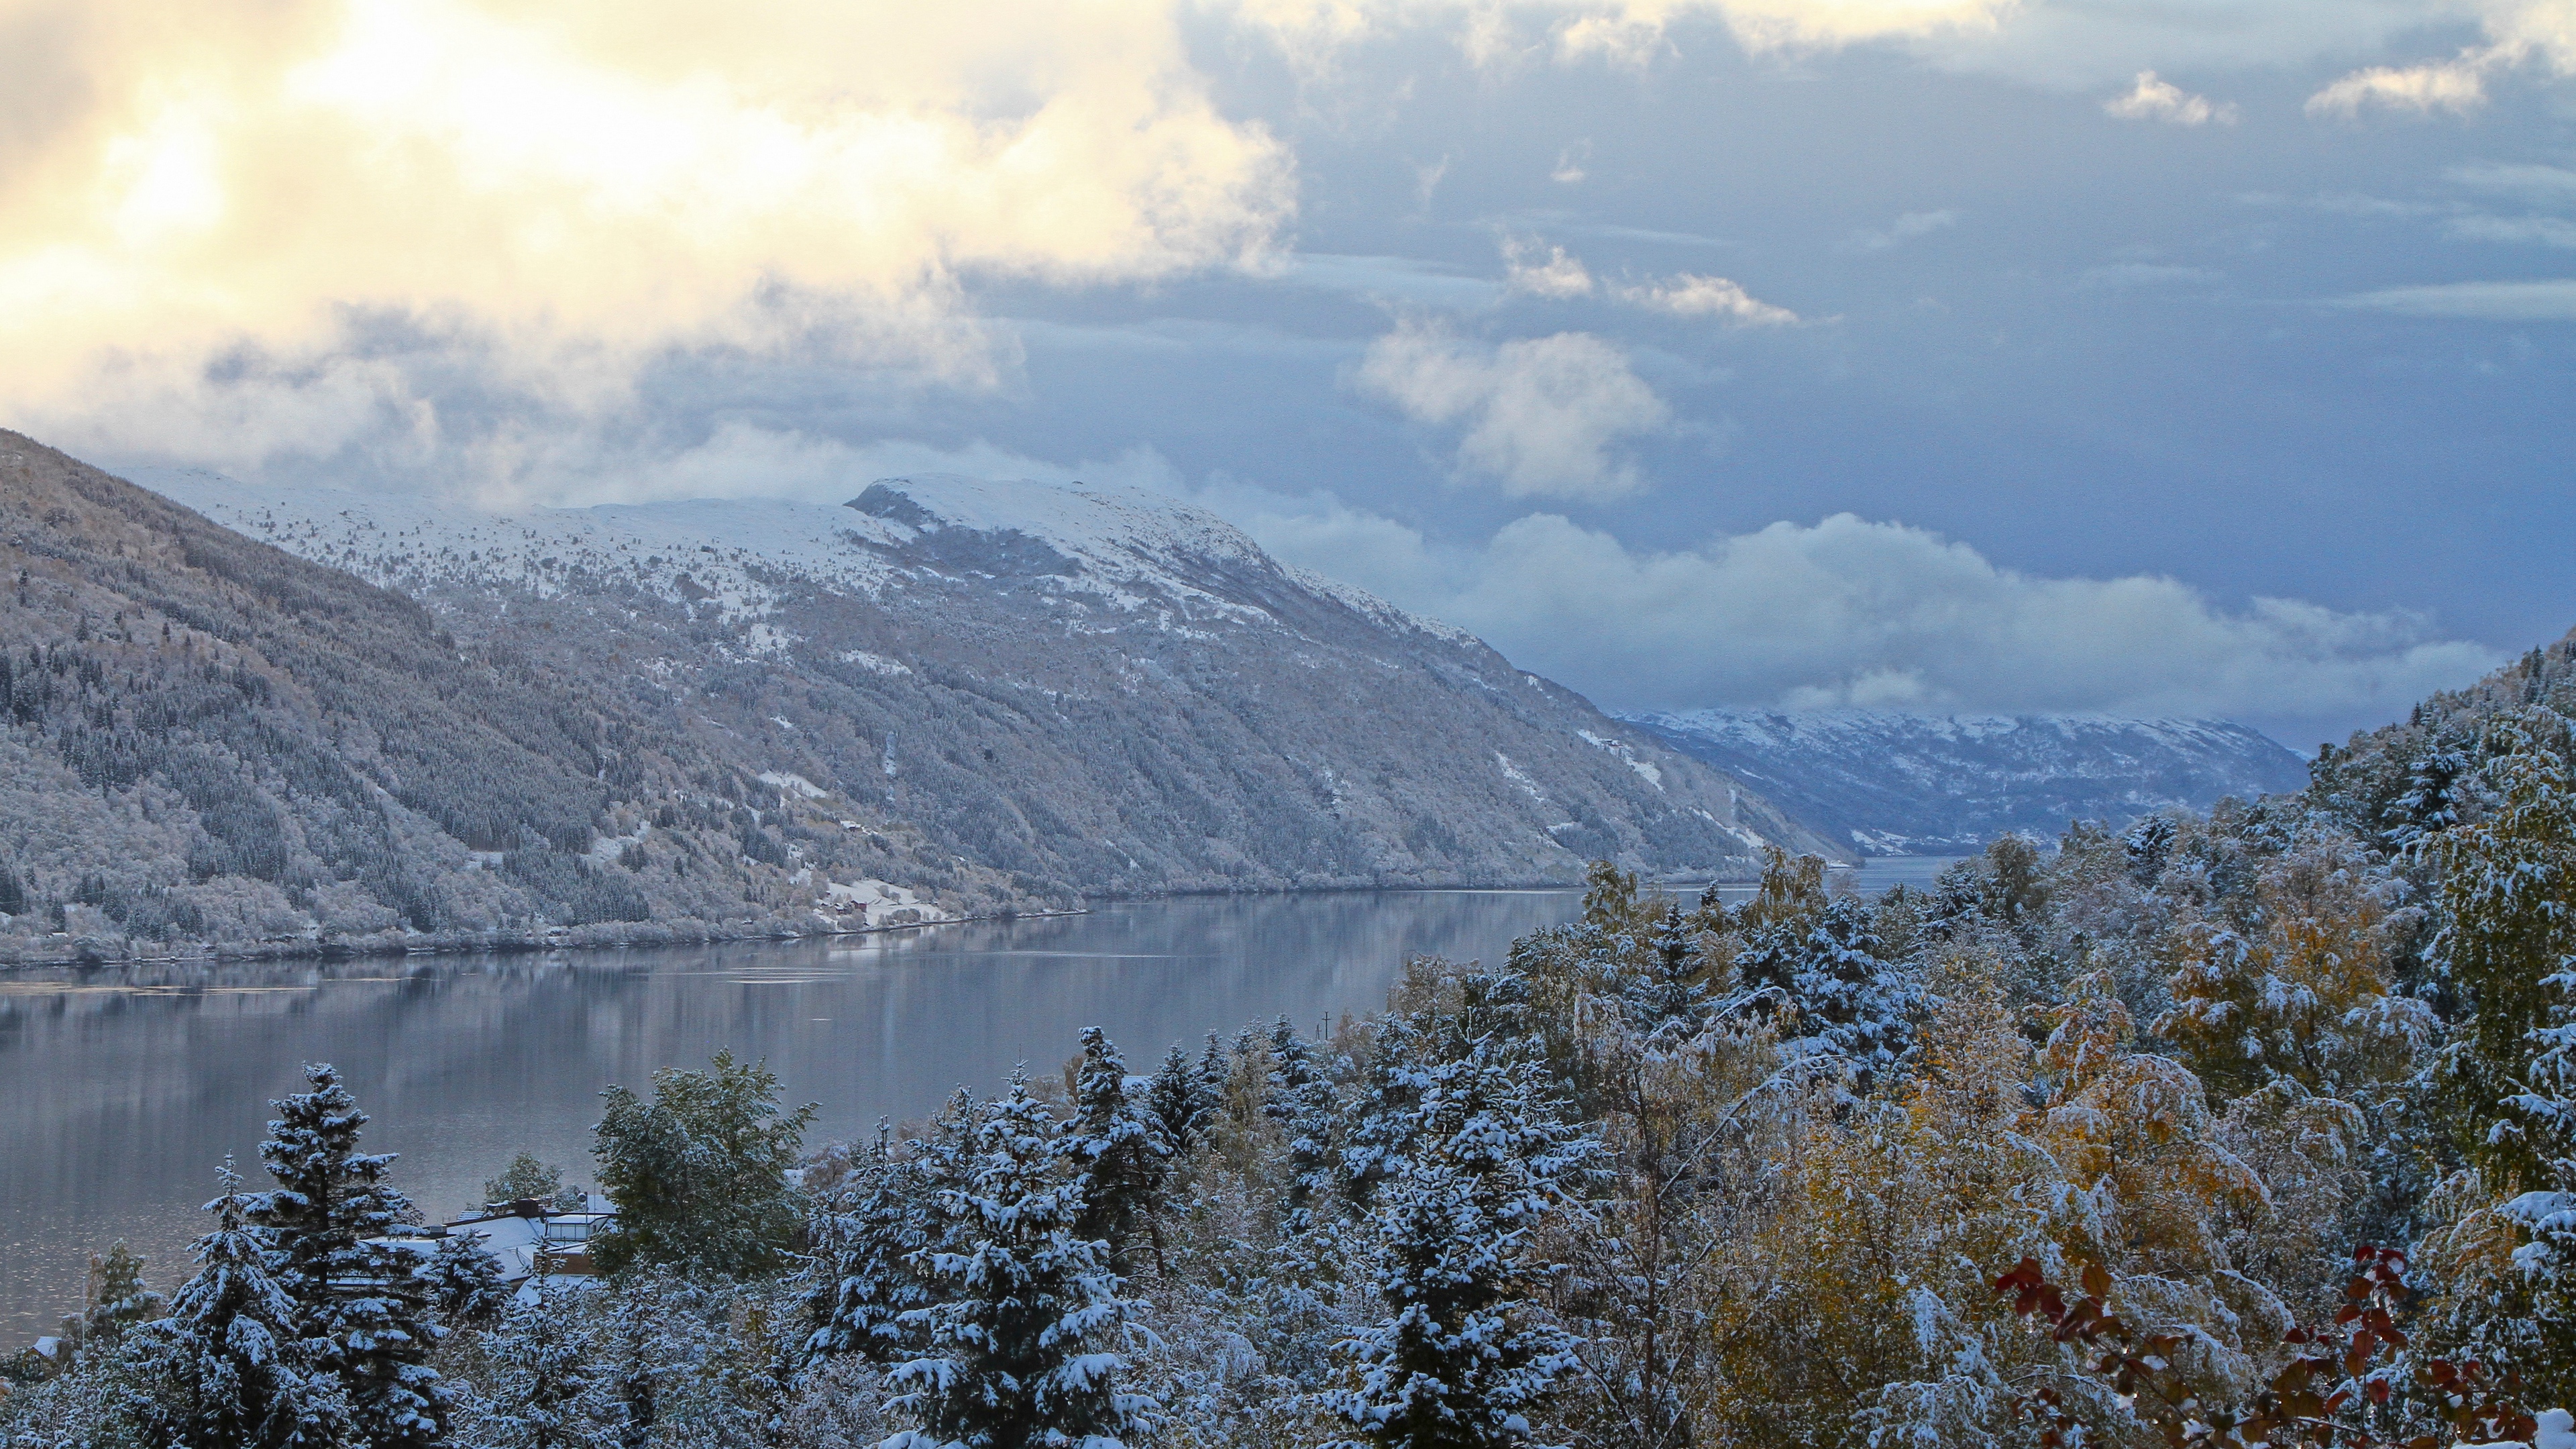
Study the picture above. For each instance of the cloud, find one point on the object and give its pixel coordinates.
(1540, 416)
(1691, 295)
(1904, 229)
(2518, 31)
(563, 197)
(1852, 612)
(2152, 99)
(2548, 231)
(2544, 301)
(2458, 85)
(2122, 276)
(1555, 275)
(1569, 164)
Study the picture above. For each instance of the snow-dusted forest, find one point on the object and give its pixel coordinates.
(2252, 1127)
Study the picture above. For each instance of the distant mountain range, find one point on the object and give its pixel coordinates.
(1086, 689)
(1883, 783)
(311, 720)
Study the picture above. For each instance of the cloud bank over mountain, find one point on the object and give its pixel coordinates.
(2175, 358)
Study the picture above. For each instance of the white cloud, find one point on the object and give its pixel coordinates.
(2458, 85)
(2548, 301)
(1904, 229)
(1540, 416)
(1852, 612)
(1554, 275)
(1688, 294)
(2152, 99)
(2548, 231)
(559, 198)
(1569, 164)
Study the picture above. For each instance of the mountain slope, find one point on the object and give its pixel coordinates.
(1900, 784)
(1094, 689)
(208, 741)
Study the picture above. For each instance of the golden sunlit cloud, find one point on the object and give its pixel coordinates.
(579, 187)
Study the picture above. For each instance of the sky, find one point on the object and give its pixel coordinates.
(2201, 357)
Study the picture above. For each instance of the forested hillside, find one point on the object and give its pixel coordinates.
(1101, 689)
(210, 743)
(2253, 1127)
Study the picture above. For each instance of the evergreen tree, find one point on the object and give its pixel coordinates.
(1012, 1352)
(1302, 1099)
(118, 1299)
(1824, 980)
(2509, 891)
(1459, 1361)
(699, 1174)
(464, 1282)
(360, 1304)
(871, 1240)
(1115, 1147)
(545, 1373)
(1180, 1101)
(229, 1349)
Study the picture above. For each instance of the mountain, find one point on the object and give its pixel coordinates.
(1090, 689)
(211, 743)
(1903, 784)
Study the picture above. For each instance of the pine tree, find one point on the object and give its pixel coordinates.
(1013, 1351)
(1116, 1149)
(1459, 1361)
(360, 1304)
(230, 1348)
(699, 1174)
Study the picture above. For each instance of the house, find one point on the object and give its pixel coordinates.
(516, 1233)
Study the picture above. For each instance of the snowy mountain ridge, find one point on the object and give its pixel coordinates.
(1904, 784)
(1087, 688)
(1127, 548)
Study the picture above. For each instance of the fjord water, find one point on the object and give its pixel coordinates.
(125, 1087)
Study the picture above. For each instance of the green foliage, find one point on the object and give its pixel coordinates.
(2509, 892)
(528, 1180)
(699, 1173)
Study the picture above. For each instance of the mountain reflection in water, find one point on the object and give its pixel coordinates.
(125, 1087)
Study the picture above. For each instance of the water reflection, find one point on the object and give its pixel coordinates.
(124, 1088)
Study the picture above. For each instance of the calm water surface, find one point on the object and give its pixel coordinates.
(121, 1090)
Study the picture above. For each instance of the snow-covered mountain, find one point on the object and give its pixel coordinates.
(1902, 784)
(1089, 687)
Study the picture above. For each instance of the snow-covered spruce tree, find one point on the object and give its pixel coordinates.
(544, 1372)
(464, 1283)
(865, 1280)
(1459, 1361)
(1180, 1100)
(2505, 1252)
(1823, 981)
(1303, 1101)
(361, 1306)
(699, 1173)
(229, 1352)
(1015, 1351)
(1116, 1149)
